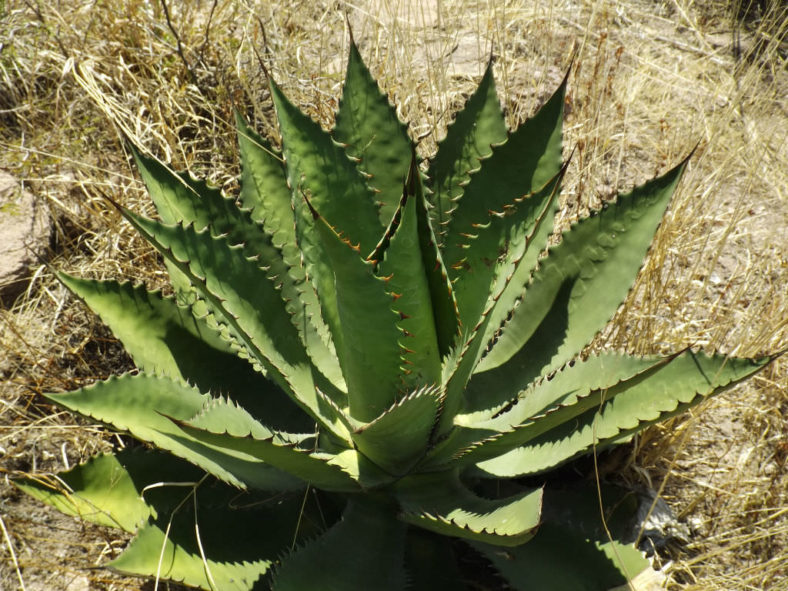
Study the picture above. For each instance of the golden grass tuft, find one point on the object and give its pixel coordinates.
(650, 81)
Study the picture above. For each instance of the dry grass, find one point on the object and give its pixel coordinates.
(650, 81)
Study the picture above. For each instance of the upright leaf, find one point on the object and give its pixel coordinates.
(320, 168)
(403, 267)
(476, 128)
(265, 190)
(524, 163)
(357, 308)
(368, 125)
(444, 306)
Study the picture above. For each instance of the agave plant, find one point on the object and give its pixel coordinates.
(371, 362)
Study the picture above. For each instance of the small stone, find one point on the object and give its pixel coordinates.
(24, 235)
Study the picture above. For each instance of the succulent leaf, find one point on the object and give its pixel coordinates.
(111, 490)
(398, 437)
(320, 168)
(497, 247)
(476, 128)
(207, 541)
(143, 405)
(265, 191)
(368, 125)
(524, 163)
(248, 301)
(440, 503)
(655, 395)
(444, 306)
(573, 549)
(367, 532)
(229, 429)
(177, 344)
(358, 309)
(582, 282)
(407, 279)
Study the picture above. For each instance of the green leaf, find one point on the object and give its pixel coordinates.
(207, 541)
(440, 503)
(511, 413)
(264, 189)
(141, 405)
(358, 309)
(488, 280)
(476, 128)
(444, 306)
(549, 402)
(524, 163)
(182, 199)
(497, 248)
(230, 430)
(572, 550)
(581, 282)
(403, 266)
(398, 438)
(112, 490)
(368, 126)
(631, 406)
(319, 168)
(249, 302)
(177, 344)
(363, 550)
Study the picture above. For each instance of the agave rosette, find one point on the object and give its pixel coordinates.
(366, 353)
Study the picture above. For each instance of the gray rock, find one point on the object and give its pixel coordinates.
(25, 229)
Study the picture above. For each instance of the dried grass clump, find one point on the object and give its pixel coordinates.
(650, 80)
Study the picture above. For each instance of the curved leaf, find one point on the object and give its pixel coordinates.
(230, 430)
(573, 550)
(206, 541)
(440, 503)
(398, 438)
(248, 301)
(581, 283)
(177, 344)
